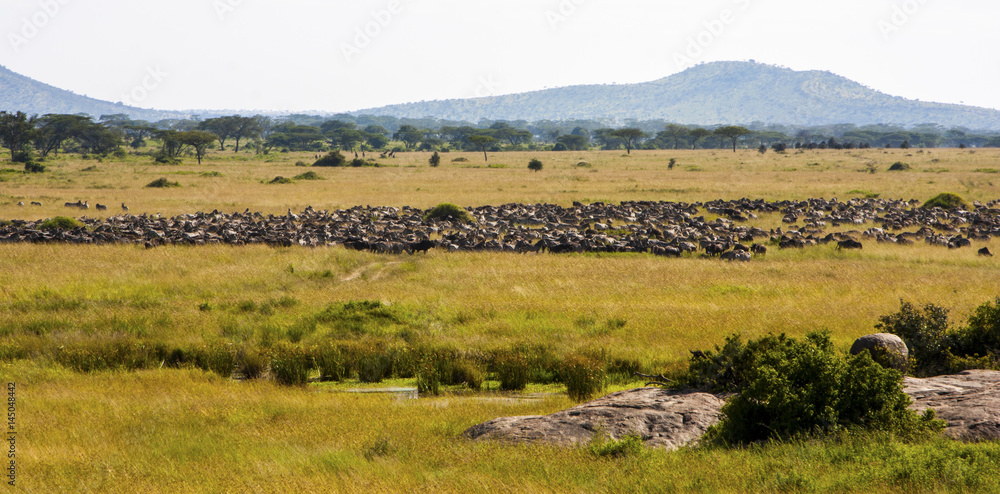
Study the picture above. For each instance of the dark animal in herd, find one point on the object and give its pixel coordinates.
(985, 251)
(669, 229)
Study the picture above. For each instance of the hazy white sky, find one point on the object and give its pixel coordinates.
(339, 55)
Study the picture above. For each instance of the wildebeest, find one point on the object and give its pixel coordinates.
(124, 207)
(758, 249)
(36, 203)
(20, 203)
(849, 244)
(735, 255)
(985, 251)
(101, 207)
(422, 246)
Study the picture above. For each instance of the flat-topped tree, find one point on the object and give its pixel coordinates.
(16, 131)
(733, 133)
(630, 136)
(482, 142)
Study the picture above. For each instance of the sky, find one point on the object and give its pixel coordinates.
(339, 55)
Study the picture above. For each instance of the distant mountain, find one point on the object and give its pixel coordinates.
(20, 93)
(711, 93)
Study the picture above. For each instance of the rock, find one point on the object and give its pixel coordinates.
(969, 401)
(885, 348)
(662, 418)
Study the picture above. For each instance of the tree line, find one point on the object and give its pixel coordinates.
(29, 137)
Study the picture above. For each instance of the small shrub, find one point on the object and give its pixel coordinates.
(162, 182)
(449, 212)
(460, 160)
(946, 200)
(583, 164)
(630, 446)
(584, 377)
(379, 448)
(23, 156)
(899, 166)
(333, 158)
(512, 370)
(165, 160)
(672, 163)
(535, 165)
(32, 167)
(92, 168)
(308, 176)
(925, 332)
(219, 359)
(252, 363)
(281, 180)
(331, 362)
(435, 159)
(301, 163)
(212, 174)
(59, 223)
(358, 162)
(290, 365)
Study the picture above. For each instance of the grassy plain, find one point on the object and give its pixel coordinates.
(186, 430)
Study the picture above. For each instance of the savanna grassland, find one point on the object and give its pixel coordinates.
(154, 427)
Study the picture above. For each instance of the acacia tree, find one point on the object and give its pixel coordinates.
(53, 129)
(16, 131)
(222, 127)
(674, 132)
(733, 133)
(629, 136)
(697, 135)
(199, 140)
(482, 142)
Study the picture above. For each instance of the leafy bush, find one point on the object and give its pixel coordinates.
(162, 182)
(925, 332)
(333, 158)
(535, 165)
(252, 363)
(435, 159)
(59, 223)
(331, 362)
(450, 212)
(219, 359)
(981, 335)
(899, 166)
(460, 159)
(358, 162)
(281, 180)
(584, 377)
(23, 156)
(946, 200)
(792, 388)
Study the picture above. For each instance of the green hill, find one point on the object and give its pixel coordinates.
(20, 93)
(711, 93)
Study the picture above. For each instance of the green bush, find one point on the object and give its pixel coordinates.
(117, 353)
(795, 388)
(252, 363)
(281, 180)
(435, 159)
(32, 167)
(535, 165)
(899, 166)
(926, 334)
(584, 377)
(59, 223)
(162, 182)
(946, 200)
(449, 212)
(220, 359)
(981, 335)
(630, 446)
(290, 365)
(333, 158)
(308, 176)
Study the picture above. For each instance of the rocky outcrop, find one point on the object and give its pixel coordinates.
(662, 418)
(969, 401)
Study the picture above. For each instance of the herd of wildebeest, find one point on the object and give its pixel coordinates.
(660, 228)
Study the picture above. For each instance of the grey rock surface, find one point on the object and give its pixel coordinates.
(969, 401)
(662, 418)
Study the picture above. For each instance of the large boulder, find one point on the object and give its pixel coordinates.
(661, 417)
(969, 401)
(885, 348)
